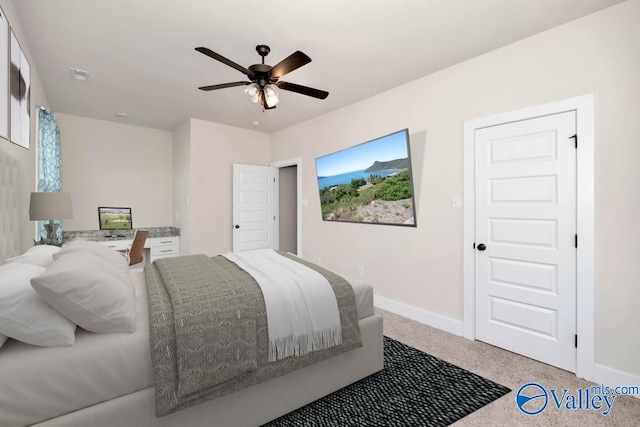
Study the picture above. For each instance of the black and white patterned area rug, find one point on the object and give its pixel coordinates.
(413, 390)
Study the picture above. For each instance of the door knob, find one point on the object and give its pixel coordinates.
(482, 247)
(237, 226)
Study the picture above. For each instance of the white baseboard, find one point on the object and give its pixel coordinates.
(601, 374)
(447, 324)
(613, 377)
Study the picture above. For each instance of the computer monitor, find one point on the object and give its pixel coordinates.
(111, 218)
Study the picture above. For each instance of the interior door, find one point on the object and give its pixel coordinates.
(526, 236)
(253, 207)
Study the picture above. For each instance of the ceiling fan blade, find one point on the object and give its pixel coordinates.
(290, 63)
(224, 85)
(304, 90)
(222, 59)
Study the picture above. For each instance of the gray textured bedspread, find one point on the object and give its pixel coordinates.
(208, 329)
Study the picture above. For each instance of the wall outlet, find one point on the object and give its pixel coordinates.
(319, 260)
(456, 201)
(360, 270)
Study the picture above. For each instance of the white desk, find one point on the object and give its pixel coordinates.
(155, 247)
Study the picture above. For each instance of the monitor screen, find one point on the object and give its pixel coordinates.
(115, 218)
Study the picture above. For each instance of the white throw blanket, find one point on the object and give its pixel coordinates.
(302, 311)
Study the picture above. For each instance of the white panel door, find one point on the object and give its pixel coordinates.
(525, 238)
(253, 207)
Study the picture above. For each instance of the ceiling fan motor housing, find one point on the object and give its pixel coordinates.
(259, 73)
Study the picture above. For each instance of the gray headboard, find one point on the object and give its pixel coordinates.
(13, 206)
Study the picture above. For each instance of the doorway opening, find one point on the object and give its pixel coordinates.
(288, 209)
(288, 234)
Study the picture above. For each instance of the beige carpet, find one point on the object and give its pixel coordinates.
(510, 370)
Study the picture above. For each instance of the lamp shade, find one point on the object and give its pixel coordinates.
(56, 205)
(253, 90)
(271, 95)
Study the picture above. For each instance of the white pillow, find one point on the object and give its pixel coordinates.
(24, 316)
(91, 293)
(41, 255)
(104, 252)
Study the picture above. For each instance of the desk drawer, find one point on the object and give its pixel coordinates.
(118, 245)
(161, 251)
(164, 241)
(157, 257)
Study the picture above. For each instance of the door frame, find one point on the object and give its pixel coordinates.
(296, 161)
(585, 182)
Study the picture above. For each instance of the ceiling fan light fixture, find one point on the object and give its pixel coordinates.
(271, 95)
(253, 91)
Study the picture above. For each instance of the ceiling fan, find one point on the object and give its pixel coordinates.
(265, 79)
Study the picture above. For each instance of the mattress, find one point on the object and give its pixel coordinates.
(43, 383)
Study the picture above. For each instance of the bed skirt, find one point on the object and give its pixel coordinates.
(247, 407)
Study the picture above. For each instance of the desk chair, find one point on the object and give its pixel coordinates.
(134, 253)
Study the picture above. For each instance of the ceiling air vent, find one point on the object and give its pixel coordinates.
(79, 74)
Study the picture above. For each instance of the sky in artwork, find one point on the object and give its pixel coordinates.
(362, 156)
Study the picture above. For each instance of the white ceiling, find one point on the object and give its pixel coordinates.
(142, 61)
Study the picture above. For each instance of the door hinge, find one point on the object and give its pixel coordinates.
(474, 245)
(576, 341)
(274, 179)
(576, 240)
(575, 138)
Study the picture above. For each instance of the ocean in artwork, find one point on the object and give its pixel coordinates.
(347, 177)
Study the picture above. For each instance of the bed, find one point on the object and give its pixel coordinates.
(107, 379)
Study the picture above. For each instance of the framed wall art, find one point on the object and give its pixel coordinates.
(20, 92)
(4, 76)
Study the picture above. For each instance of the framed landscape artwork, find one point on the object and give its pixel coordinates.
(369, 183)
